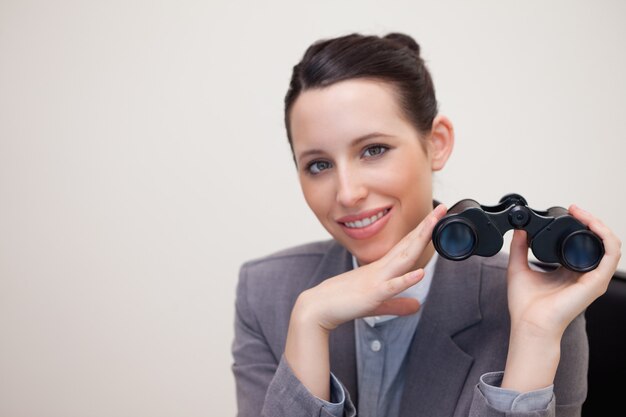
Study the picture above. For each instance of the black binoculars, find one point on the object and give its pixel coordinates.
(554, 236)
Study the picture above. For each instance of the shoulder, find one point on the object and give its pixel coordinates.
(497, 265)
(286, 272)
(474, 269)
(269, 286)
(494, 266)
(296, 253)
(493, 285)
(299, 260)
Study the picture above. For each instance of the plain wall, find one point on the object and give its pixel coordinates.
(143, 159)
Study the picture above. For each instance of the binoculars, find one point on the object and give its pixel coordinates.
(554, 236)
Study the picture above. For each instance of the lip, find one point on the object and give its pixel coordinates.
(362, 215)
(367, 231)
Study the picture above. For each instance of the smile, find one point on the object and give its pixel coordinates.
(358, 224)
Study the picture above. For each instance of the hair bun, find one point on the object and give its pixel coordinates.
(404, 40)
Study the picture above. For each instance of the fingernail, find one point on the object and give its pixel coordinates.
(415, 274)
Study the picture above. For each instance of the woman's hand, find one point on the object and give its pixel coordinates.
(550, 301)
(368, 290)
(543, 304)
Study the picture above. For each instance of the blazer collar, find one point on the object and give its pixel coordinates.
(437, 366)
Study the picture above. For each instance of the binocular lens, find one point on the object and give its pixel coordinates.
(582, 251)
(457, 240)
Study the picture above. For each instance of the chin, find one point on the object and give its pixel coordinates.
(369, 253)
(365, 251)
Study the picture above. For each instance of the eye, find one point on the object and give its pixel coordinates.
(375, 150)
(315, 167)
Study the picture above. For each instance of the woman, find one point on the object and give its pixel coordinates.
(373, 320)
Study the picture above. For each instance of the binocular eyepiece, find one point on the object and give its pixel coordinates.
(554, 236)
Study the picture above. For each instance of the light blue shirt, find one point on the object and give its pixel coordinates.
(382, 343)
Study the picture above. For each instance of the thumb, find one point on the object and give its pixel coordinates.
(518, 257)
(401, 306)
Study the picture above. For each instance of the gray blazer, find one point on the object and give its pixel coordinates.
(462, 334)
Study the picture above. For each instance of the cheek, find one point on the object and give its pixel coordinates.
(317, 197)
(401, 180)
(412, 187)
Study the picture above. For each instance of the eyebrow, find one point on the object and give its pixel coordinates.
(354, 143)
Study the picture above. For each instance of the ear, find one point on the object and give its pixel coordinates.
(440, 142)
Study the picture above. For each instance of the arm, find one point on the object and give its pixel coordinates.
(548, 344)
(254, 363)
(266, 385)
(544, 308)
(368, 290)
(570, 385)
(542, 305)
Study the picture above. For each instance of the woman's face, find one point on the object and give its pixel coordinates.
(362, 166)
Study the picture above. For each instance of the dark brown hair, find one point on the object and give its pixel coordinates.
(394, 58)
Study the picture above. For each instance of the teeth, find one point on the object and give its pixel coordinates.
(366, 221)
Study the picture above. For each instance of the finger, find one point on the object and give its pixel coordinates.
(595, 225)
(612, 244)
(398, 307)
(395, 286)
(612, 249)
(518, 256)
(406, 252)
(588, 219)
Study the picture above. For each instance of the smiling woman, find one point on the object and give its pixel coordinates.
(373, 321)
(366, 161)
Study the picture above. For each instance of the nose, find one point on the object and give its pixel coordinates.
(350, 188)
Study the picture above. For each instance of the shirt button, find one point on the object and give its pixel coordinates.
(376, 345)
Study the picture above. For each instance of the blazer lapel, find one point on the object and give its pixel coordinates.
(342, 343)
(436, 366)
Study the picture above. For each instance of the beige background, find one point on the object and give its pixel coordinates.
(143, 159)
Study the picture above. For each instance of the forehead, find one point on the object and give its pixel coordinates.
(344, 111)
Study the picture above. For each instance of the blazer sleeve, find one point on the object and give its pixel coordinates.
(570, 381)
(265, 384)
